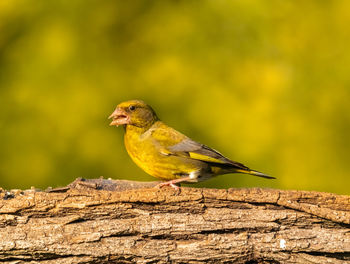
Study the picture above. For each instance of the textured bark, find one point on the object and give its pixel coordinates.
(105, 221)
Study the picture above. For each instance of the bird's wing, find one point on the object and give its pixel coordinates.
(204, 153)
(172, 142)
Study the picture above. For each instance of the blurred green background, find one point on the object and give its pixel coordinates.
(267, 83)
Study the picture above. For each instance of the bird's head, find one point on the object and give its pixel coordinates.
(135, 112)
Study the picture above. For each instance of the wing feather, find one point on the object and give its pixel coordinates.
(173, 142)
(204, 153)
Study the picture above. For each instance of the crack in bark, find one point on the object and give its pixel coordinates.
(40, 256)
(332, 255)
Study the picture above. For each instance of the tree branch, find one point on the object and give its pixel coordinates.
(106, 221)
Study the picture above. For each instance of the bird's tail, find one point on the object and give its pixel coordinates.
(255, 173)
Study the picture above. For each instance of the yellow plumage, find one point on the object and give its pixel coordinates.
(165, 153)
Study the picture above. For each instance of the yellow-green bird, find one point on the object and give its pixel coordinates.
(165, 153)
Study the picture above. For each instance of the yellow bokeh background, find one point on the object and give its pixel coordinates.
(267, 83)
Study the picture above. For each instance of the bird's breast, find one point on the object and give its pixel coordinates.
(148, 155)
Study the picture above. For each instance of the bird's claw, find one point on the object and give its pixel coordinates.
(169, 183)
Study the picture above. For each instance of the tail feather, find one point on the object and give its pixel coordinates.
(255, 173)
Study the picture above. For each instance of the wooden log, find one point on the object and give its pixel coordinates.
(106, 221)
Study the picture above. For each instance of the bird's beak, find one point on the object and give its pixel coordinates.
(120, 117)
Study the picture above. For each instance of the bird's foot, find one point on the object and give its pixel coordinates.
(168, 183)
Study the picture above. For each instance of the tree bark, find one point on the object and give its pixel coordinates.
(106, 221)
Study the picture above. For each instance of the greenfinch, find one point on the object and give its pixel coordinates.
(165, 153)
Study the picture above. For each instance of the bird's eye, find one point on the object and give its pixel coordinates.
(132, 107)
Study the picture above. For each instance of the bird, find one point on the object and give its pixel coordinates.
(166, 153)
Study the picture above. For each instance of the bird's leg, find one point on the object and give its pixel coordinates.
(172, 183)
